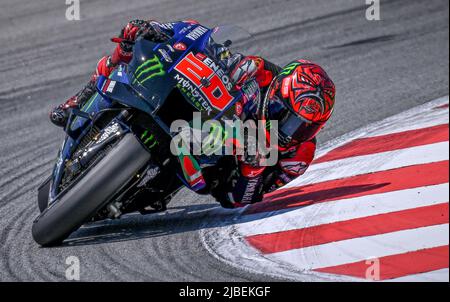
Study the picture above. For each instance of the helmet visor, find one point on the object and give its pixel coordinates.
(293, 129)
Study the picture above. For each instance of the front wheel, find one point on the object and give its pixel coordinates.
(91, 193)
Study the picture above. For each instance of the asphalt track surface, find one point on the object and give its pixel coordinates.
(380, 68)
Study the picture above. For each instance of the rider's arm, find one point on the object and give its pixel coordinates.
(151, 30)
(294, 165)
(253, 67)
(248, 187)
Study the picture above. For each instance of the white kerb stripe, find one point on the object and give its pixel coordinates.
(363, 248)
(341, 210)
(441, 275)
(365, 164)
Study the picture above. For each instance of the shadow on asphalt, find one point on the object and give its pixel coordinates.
(188, 218)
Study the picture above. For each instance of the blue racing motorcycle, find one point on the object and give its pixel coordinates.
(116, 156)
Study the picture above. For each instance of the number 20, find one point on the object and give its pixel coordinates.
(195, 70)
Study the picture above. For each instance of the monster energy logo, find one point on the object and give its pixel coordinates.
(148, 70)
(215, 140)
(289, 68)
(148, 139)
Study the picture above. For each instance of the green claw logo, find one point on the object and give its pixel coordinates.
(148, 139)
(148, 70)
(215, 140)
(289, 69)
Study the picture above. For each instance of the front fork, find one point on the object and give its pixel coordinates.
(82, 158)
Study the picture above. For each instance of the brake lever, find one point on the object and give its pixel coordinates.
(120, 40)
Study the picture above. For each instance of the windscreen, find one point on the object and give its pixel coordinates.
(224, 33)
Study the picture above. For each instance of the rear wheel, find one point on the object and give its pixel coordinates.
(91, 193)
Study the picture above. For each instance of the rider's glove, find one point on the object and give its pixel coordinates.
(244, 71)
(131, 31)
(153, 33)
(125, 40)
(250, 159)
(121, 54)
(251, 155)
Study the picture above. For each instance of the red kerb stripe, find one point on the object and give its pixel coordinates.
(355, 186)
(388, 142)
(350, 229)
(396, 266)
(445, 106)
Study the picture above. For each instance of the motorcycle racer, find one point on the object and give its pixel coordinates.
(300, 97)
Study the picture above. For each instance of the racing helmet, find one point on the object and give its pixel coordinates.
(301, 98)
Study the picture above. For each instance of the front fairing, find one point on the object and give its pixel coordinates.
(146, 82)
(157, 68)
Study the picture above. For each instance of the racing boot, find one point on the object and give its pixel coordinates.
(60, 114)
